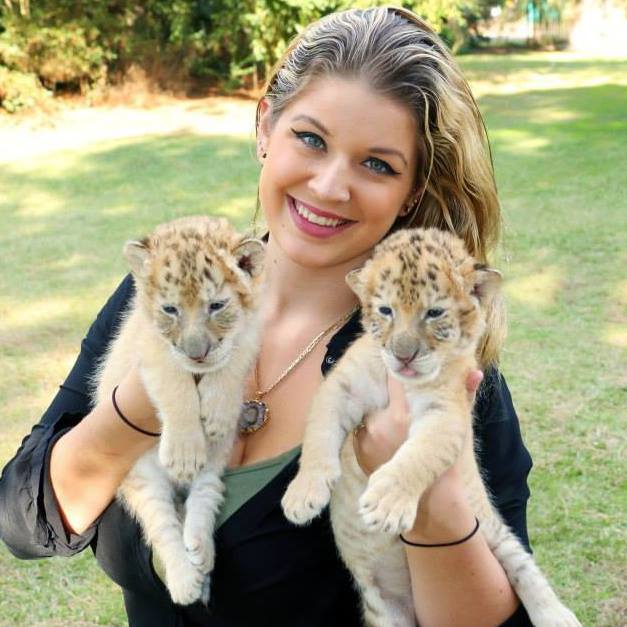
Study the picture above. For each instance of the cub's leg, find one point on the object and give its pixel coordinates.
(220, 405)
(220, 401)
(353, 388)
(182, 447)
(379, 609)
(376, 561)
(148, 494)
(202, 505)
(436, 439)
(535, 592)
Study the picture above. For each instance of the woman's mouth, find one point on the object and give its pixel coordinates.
(314, 221)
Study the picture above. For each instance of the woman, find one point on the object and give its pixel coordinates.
(366, 125)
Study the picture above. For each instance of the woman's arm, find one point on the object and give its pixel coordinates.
(88, 463)
(463, 584)
(31, 522)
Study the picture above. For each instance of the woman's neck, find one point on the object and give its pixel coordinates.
(293, 290)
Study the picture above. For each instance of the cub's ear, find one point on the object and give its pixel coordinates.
(250, 256)
(484, 282)
(354, 280)
(137, 254)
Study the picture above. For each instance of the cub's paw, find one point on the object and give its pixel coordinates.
(306, 497)
(385, 506)
(200, 548)
(184, 582)
(183, 455)
(206, 590)
(555, 616)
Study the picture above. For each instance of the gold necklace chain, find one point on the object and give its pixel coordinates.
(338, 323)
(255, 413)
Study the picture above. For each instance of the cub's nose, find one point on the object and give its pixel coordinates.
(404, 358)
(405, 348)
(197, 350)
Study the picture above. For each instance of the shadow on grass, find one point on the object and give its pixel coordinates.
(68, 215)
(559, 159)
(515, 68)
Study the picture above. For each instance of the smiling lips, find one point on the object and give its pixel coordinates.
(314, 221)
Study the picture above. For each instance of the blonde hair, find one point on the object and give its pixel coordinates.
(400, 56)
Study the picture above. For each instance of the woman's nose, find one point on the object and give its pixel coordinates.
(331, 181)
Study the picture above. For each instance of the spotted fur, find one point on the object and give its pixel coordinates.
(424, 302)
(192, 329)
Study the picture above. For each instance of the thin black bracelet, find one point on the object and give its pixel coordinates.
(420, 544)
(126, 420)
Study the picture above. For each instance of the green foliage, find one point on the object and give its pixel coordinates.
(38, 54)
(20, 90)
(56, 55)
(76, 43)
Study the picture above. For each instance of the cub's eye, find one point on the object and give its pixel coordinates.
(385, 311)
(217, 305)
(434, 312)
(171, 310)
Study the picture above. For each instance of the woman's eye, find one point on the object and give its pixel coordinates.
(171, 310)
(310, 139)
(379, 166)
(385, 311)
(435, 312)
(217, 305)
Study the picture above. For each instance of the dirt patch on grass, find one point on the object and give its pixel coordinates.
(76, 126)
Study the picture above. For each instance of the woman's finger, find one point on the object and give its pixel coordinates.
(398, 400)
(473, 380)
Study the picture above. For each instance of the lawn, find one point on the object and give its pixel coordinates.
(558, 125)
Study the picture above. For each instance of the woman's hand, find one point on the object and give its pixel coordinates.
(444, 502)
(385, 430)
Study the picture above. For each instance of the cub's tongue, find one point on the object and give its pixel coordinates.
(408, 372)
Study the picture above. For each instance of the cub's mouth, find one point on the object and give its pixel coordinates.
(420, 368)
(408, 371)
(214, 359)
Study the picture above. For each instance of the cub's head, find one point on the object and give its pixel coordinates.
(197, 280)
(424, 300)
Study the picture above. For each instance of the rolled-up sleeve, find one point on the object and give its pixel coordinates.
(30, 521)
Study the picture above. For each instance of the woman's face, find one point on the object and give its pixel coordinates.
(339, 169)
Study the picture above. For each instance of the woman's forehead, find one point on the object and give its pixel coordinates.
(346, 106)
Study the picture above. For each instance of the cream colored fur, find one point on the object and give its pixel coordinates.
(423, 309)
(193, 364)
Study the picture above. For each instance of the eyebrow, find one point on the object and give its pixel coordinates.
(389, 151)
(378, 149)
(308, 118)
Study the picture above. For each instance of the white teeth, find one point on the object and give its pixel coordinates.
(315, 219)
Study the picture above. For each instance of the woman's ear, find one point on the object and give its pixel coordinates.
(264, 124)
(412, 202)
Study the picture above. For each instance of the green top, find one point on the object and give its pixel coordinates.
(241, 484)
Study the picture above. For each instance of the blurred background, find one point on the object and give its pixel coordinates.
(116, 116)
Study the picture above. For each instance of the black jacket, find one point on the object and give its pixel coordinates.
(267, 572)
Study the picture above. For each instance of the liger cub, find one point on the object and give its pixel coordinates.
(192, 329)
(424, 301)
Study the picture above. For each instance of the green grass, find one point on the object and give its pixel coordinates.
(558, 126)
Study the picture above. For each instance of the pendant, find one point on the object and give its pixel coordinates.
(253, 416)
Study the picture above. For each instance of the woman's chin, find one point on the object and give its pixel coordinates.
(315, 254)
